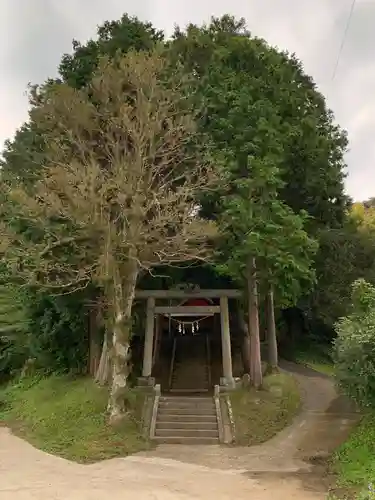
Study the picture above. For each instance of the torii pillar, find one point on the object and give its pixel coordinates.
(228, 379)
(148, 344)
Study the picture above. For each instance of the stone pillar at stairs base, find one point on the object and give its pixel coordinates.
(146, 382)
(228, 384)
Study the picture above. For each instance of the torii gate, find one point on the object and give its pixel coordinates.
(199, 310)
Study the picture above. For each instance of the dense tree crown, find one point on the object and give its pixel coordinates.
(270, 94)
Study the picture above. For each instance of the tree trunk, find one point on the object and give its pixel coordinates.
(273, 359)
(155, 356)
(94, 344)
(245, 343)
(123, 298)
(103, 373)
(94, 356)
(253, 316)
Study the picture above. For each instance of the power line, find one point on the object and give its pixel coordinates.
(344, 38)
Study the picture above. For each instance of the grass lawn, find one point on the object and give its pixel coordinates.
(66, 417)
(259, 415)
(354, 461)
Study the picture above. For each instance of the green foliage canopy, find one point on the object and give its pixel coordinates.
(283, 151)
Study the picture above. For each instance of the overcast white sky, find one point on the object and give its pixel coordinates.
(35, 33)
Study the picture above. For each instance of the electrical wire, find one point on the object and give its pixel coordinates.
(344, 38)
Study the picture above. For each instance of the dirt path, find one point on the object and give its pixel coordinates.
(296, 454)
(29, 474)
(277, 470)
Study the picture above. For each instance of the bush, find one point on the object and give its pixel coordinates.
(52, 331)
(14, 328)
(58, 328)
(354, 350)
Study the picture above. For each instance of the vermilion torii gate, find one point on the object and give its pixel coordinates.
(153, 309)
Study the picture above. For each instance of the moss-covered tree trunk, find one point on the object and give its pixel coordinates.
(273, 358)
(122, 302)
(253, 317)
(244, 329)
(100, 345)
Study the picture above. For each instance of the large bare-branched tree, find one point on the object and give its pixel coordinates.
(118, 195)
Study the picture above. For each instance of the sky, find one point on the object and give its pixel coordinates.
(35, 33)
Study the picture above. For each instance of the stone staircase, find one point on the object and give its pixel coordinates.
(191, 370)
(186, 420)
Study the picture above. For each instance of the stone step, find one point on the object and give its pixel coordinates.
(196, 390)
(183, 425)
(188, 378)
(186, 440)
(199, 387)
(187, 399)
(191, 382)
(187, 365)
(187, 412)
(172, 417)
(204, 433)
(185, 368)
(187, 406)
(189, 369)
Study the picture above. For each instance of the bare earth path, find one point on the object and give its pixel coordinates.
(285, 467)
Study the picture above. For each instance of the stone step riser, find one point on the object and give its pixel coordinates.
(187, 414)
(190, 388)
(188, 409)
(180, 425)
(186, 399)
(187, 440)
(189, 367)
(190, 381)
(199, 384)
(172, 417)
(187, 380)
(204, 433)
(202, 403)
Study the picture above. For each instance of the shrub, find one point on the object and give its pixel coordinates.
(51, 331)
(13, 330)
(58, 328)
(354, 350)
